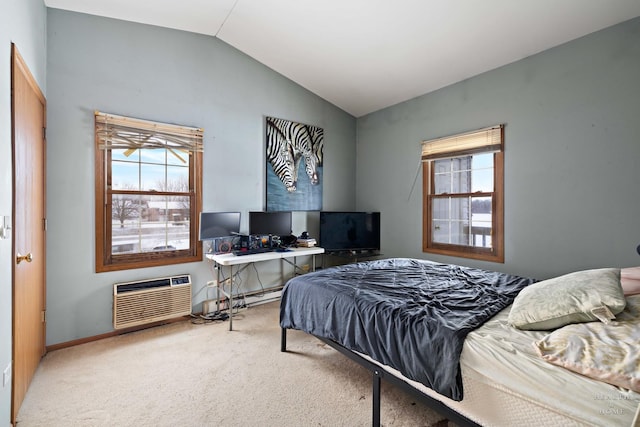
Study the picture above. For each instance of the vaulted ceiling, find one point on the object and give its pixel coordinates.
(364, 55)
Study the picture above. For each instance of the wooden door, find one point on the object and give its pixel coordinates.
(28, 146)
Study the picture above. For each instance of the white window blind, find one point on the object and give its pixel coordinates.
(478, 141)
(118, 132)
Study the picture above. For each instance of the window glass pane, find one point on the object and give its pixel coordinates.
(180, 210)
(483, 160)
(126, 216)
(442, 166)
(451, 218)
(482, 180)
(441, 231)
(453, 175)
(167, 223)
(481, 206)
(462, 174)
(440, 209)
(459, 233)
(121, 154)
(124, 176)
(152, 177)
(481, 221)
(177, 157)
(482, 177)
(442, 178)
(178, 179)
(460, 208)
(461, 182)
(461, 163)
(450, 232)
(481, 237)
(153, 155)
(455, 208)
(442, 183)
(149, 223)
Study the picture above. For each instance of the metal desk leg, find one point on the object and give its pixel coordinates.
(282, 271)
(218, 267)
(230, 298)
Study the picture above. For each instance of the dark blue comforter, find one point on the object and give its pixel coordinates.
(412, 315)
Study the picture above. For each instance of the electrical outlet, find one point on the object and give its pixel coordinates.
(5, 226)
(6, 375)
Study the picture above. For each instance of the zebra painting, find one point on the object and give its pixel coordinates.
(280, 155)
(290, 146)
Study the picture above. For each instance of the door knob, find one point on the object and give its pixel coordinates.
(28, 257)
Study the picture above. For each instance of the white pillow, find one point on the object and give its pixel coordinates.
(605, 352)
(583, 296)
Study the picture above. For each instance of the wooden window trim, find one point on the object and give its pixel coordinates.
(493, 254)
(104, 261)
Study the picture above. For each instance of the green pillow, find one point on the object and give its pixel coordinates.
(583, 296)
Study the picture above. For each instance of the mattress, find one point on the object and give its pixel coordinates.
(497, 353)
(506, 383)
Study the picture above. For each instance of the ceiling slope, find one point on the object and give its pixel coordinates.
(365, 55)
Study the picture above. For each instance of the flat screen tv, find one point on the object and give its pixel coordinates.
(349, 231)
(218, 224)
(277, 223)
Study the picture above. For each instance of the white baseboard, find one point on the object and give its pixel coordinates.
(252, 300)
(210, 305)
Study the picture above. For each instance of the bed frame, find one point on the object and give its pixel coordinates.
(378, 374)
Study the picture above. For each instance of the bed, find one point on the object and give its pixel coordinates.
(481, 347)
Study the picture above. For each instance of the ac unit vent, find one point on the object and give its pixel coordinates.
(147, 301)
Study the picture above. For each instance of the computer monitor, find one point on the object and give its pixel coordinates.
(218, 224)
(274, 223)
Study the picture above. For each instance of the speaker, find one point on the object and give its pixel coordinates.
(223, 245)
(288, 240)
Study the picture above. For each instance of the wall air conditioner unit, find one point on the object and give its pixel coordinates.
(147, 301)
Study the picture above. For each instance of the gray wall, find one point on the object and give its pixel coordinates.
(171, 76)
(22, 22)
(571, 146)
(572, 138)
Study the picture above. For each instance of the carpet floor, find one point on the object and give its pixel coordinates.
(189, 374)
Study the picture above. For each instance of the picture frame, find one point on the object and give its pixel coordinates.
(294, 165)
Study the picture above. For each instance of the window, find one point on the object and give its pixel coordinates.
(463, 195)
(148, 193)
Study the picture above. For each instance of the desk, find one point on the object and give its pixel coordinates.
(243, 261)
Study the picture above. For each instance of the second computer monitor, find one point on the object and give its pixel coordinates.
(274, 223)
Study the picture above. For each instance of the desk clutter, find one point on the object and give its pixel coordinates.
(306, 243)
(256, 244)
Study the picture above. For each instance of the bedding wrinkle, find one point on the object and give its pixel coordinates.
(606, 352)
(412, 315)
